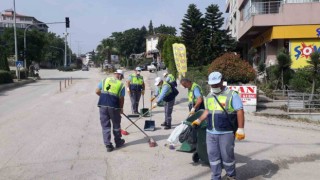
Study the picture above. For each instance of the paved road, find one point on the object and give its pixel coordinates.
(47, 134)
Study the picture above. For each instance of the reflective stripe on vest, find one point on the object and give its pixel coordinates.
(191, 96)
(136, 82)
(110, 93)
(215, 110)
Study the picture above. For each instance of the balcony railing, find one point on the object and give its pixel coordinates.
(268, 7)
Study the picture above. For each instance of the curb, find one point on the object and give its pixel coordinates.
(4, 87)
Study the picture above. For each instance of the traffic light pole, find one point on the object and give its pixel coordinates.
(65, 48)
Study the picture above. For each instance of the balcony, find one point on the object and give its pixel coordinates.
(260, 16)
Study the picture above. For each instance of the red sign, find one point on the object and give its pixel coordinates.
(248, 94)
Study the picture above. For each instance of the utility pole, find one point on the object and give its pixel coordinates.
(66, 41)
(15, 37)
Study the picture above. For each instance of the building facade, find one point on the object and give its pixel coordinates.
(269, 25)
(151, 47)
(22, 21)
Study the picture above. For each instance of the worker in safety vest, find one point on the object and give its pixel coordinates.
(169, 78)
(135, 87)
(194, 95)
(111, 92)
(164, 93)
(225, 122)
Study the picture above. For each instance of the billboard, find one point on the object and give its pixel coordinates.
(300, 51)
(248, 94)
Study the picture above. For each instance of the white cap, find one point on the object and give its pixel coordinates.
(119, 71)
(164, 74)
(157, 81)
(138, 69)
(214, 78)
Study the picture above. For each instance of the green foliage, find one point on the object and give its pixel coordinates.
(163, 29)
(204, 37)
(284, 63)
(233, 68)
(261, 67)
(167, 54)
(23, 74)
(192, 25)
(5, 77)
(151, 30)
(200, 76)
(3, 60)
(301, 81)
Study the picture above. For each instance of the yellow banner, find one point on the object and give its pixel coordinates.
(180, 57)
(301, 49)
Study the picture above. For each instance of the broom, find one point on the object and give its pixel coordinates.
(125, 132)
(152, 142)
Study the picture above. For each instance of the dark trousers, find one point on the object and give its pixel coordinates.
(168, 108)
(220, 148)
(108, 115)
(135, 98)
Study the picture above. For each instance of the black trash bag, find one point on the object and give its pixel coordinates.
(189, 135)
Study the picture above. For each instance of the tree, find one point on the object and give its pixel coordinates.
(3, 59)
(192, 25)
(315, 64)
(151, 30)
(167, 53)
(284, 63)
(163, 29)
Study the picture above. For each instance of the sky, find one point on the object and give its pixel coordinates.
(93, 20)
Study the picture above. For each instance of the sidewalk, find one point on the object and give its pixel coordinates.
(16, 84)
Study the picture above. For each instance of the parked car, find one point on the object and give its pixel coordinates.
(85, 68)
(155, 66)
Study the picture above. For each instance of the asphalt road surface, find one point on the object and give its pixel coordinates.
(47, 134)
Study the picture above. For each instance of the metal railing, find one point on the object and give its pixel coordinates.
(268, 7)
(303, 102)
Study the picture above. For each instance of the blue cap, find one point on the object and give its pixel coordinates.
(138, 69)
(214, 78)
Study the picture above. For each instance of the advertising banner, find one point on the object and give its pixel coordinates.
(300, 51)
(180, 57)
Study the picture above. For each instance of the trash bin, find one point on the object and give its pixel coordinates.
(185, 146)
(201, 145)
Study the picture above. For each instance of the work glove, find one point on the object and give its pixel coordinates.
(128, 90)
(240, 134)
(154, 105)
(192, 111)
(152, 99)
(196, 122)
(142, 92)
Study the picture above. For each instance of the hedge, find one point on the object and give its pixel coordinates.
(5, 77)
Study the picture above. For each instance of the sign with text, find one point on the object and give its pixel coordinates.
(301, 50)
(180, 57)
(248, 94)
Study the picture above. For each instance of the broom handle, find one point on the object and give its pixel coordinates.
(136, 126)
(138, 119)
(143, 100)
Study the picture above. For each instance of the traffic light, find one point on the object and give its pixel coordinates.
(67, 22)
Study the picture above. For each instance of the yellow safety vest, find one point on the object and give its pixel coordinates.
(191, 97)
(110, 93)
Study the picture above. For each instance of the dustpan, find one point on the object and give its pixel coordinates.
(144, 111)
(150, 125)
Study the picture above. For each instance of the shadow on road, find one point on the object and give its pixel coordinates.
(145, 140)
(255, 168)
(180, 101)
